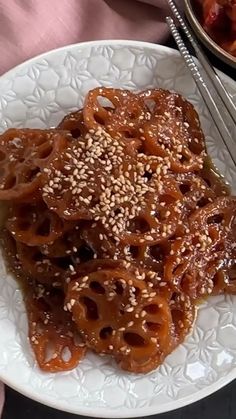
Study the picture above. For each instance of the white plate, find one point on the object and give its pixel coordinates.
(37, 94)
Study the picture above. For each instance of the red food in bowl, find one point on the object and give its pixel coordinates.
(218, 18)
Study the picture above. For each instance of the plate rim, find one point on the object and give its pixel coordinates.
(107, 413)
(106, 42)
(104, 412)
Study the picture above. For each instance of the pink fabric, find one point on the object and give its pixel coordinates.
(30, 27)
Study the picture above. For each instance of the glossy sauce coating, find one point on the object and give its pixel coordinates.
(122, 228)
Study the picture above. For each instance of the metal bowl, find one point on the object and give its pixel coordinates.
(205, 38)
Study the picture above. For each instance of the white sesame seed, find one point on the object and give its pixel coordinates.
(130, 309)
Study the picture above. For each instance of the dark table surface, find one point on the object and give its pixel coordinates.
(220, 405)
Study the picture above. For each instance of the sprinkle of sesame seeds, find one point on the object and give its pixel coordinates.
(119, 198)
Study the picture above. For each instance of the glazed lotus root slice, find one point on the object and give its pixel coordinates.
(175, 107)
(217, 222)
(45, 270)
(218, 216)
(23, 155)
(151, 258)
(70, 249)
(128, 120)
(18, 180)
(195, 194)
(94, 265)
(141, 273)
(69, 243)
(189, 268)
(76, 183)
(9, 249)
(183, 312)
(102, 243)
(199, 277)
(35, 225)
(125, 114)
(189, 116)
(74, 122)
(119, 315)
(67, 189)
(224, 280)
(178, 261)
(182, 318)
(157, 218)
(213, 179)
(195, 259)
(52, 332)
(169, 138)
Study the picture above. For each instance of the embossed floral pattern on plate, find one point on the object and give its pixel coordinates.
(37, 94)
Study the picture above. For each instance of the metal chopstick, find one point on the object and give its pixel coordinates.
(206, 95)
(215, 79)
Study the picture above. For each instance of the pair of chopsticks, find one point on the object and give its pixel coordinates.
(197, 75)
